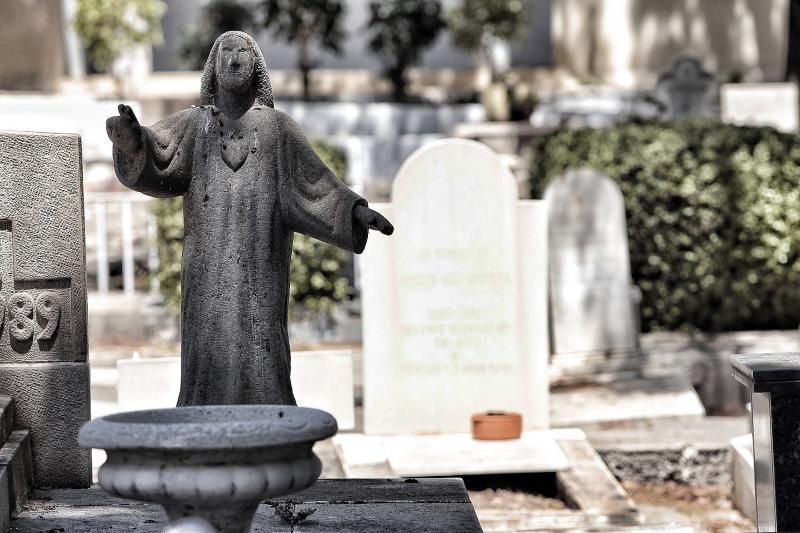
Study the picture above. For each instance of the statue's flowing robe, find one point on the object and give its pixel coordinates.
(237, 246)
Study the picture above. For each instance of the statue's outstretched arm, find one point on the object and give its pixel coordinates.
(156, 161)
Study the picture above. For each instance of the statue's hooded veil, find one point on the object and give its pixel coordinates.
(208, 83)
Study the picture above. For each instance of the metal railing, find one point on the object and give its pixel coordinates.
(98, 205)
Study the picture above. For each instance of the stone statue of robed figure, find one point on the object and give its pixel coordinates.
(249, 179)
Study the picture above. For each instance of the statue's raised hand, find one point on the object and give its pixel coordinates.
(124, 130)
(372, 220)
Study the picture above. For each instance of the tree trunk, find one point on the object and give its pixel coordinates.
(305, 69)
(399, 83)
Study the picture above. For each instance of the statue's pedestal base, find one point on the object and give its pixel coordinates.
(341, 505)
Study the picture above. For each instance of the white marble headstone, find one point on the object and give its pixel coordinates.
(455, 312)
(590, 280)
(761, 104)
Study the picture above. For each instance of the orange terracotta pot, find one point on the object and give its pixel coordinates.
(496, 425)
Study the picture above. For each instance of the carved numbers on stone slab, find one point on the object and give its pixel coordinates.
(21, 309)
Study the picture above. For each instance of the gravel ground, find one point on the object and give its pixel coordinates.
(503, 499)
(707, 507)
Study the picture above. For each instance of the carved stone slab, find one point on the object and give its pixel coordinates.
(455, 316)
(590, 281)
(43, 342)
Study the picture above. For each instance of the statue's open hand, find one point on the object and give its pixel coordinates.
(124, 130)
(372, 219)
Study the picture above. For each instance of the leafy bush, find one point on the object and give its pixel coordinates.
(317, 281)
(713, 216)
(399, 31)
(108, 27)
(215, 18)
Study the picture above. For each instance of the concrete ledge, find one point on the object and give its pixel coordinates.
(433, 505)
(6, 419)
(15, 459)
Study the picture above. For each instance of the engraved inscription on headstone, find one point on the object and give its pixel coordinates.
(43, 343)
(687, 90)
(591, 302)
(450, 308)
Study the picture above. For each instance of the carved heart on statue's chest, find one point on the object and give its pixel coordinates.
(235, 144)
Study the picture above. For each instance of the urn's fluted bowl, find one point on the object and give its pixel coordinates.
(217, 462)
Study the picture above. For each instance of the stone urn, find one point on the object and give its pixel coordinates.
(213, 462)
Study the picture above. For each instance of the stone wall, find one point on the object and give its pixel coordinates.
(33, 53)
(628, 42)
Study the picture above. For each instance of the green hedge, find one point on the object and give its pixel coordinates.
(713, 217)
(317, 281)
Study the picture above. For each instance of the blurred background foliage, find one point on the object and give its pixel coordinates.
(317, 276)
(713, 216)
(310, 25)
(475, 23)
(216, 17)
(399, 31)
(108, 27)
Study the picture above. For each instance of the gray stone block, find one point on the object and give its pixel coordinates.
(42, 249)
(6, 419)
(5, 501)
(43, 299)
(52, 402)
(15, 458)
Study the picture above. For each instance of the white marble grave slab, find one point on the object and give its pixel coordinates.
(761, 104)
(454, 303)
(590, 279)
(454, 454)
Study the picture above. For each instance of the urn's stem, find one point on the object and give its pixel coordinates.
(231, 518)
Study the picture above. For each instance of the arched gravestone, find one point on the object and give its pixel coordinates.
(592, 308)
(454, 305)
(687, 90)
(43, 343)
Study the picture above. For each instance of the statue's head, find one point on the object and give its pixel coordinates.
(236, 64)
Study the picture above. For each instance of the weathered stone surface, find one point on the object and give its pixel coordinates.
(225, 427)
(6, 417)
(341, 506)
(214, 462)
(249, 179)
(43, 342)
(588, 485)
(591, 301)
(15, 458)
(42, 251)
(687, 90)
(52, 402)
(455, 309)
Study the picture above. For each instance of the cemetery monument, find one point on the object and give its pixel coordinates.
(593, 302)
(43, 342)
(455, 304)
(249, 179)
(687, 90)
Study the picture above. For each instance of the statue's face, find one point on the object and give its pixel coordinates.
(235, 62)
